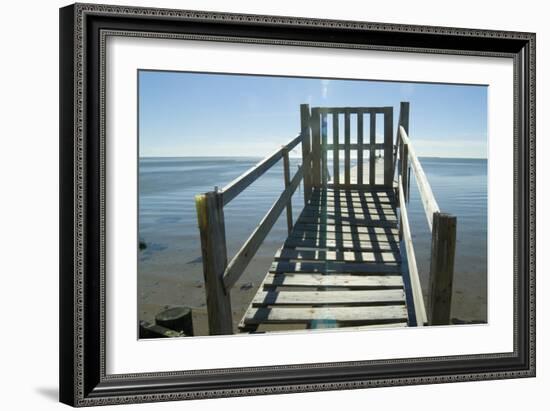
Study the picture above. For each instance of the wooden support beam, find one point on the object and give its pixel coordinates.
(306, 149)
(372, 150)
(336, 148)
(360, 148)
(324, 161)
(388, 144)
(347, 142)
(404, 115)
(214, 256)
(442, 267)
(402, 122)
(316, 147)
(286, 167)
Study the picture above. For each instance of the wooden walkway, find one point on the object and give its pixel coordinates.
(340, 266)
(349, 258)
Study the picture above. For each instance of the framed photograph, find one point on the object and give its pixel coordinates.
(262, 204)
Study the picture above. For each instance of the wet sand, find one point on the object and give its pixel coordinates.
(166, 282)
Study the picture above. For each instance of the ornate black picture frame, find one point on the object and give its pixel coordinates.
(83, 380)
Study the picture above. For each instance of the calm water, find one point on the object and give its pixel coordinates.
(167, 216)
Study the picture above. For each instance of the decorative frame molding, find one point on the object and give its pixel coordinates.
(83, 31)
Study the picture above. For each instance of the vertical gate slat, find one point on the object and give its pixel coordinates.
(336, 152)
(347, 165)
(372, 151)
(316, 142)
(360, 147)
(388, 140)
(324, 165)
(306, 149)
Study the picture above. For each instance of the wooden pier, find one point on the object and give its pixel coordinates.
(349, 257)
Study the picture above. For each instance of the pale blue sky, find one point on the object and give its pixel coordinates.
(193, 114)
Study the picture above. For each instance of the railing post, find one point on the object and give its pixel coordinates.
(404, 116)
(442, 267)
(316, 147)
(306, 149)
(388, 143)
(214, 256)
(404, 122)
(286, 169)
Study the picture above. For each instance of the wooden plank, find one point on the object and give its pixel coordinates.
(349, 222)
(365, 297)
(337, 255)
(360, 148)
(441, 268)
(416, 287)
(243, 257)
(382, 237)
(387, 215)
(388, 144)
(337, 280)
(324, 328)
(347, 164)
(235, 187)
(306, 149)
(334, 267)
(357, 190)
(336, 148)
(372, 150)
(286, 172)
(372, 208)
(324, 162)
(426, 194)
(338, 314)
(214, 256)
(346, 229)
(353, 195)
(316, 147)
(342, 245)
(355, 204)
(352, 198)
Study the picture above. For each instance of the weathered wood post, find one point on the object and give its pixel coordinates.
(388, 144)
(442, 267)
(404, 116)
(403, 122)
(315, 147)
(214, 256)
(286, 168)
(324, 162)
(306, 149)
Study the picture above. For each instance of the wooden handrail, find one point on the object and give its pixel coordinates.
(243, 257)
(218, 274)
(416, 288)
(235, 187)
(426, 194)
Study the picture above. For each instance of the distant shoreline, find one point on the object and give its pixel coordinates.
(261, 157)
